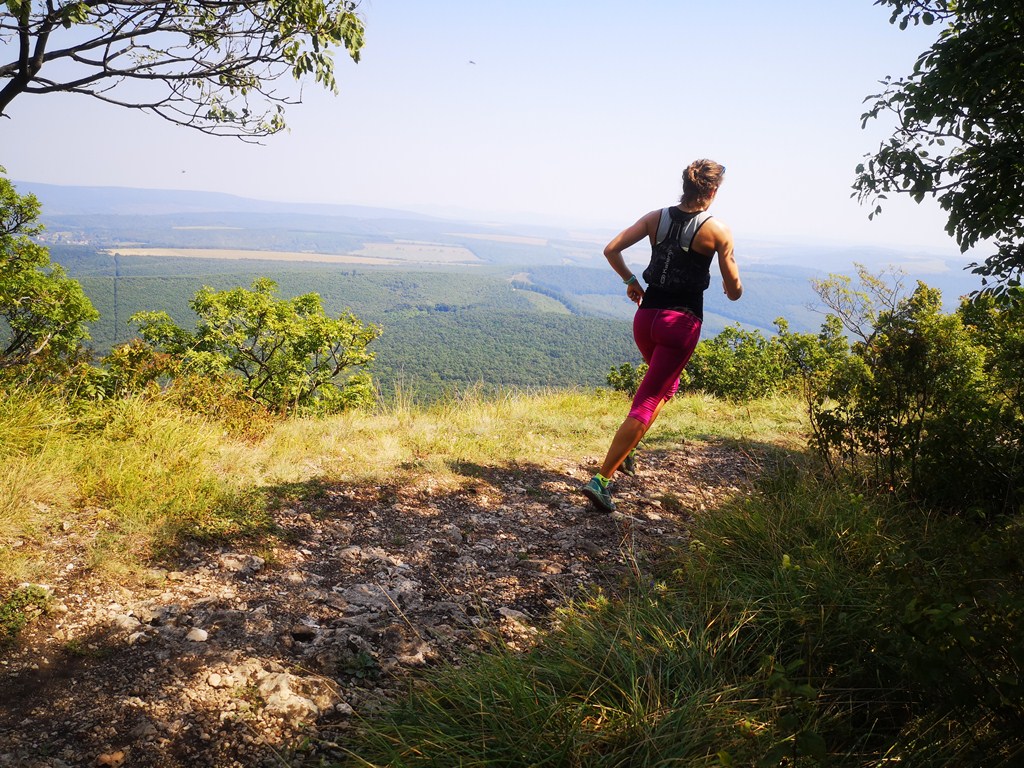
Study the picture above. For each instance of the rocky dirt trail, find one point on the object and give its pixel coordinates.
(266, 657)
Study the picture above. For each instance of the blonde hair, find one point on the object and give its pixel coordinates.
(700, 180)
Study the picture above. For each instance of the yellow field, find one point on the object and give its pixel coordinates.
(379, 254)
(210, 228)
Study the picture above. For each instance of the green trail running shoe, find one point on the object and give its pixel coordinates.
(599, 494)
(628, 466)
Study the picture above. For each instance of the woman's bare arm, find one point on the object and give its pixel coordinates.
(726, 260)
(644, 227)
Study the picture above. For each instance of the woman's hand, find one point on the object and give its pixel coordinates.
(635, 292)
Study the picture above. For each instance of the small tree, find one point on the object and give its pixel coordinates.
(42, 311)
(857, 306)
(998, 325)
(288, 352)
(929, 406)
(200, 63)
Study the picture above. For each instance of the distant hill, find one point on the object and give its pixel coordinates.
(172, 217)
(59, 200)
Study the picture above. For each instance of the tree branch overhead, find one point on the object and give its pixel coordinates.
(204, 64)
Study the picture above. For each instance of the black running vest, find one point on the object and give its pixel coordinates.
(677, 275)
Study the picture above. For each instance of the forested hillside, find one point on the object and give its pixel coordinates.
(443, 328)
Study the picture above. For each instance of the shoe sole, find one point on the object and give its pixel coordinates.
(598, 501)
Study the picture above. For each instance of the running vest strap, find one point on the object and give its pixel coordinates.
(677, 276)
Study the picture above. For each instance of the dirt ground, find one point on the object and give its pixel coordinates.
(266, 656)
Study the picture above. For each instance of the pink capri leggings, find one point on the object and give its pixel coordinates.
(666, 339)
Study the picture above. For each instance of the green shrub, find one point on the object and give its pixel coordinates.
(287, 353)
(627, 377)
(20, 608)
(736, 364)
(808, 359)
(929, 404)
(998, 326)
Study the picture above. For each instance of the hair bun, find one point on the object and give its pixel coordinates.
(700, 179)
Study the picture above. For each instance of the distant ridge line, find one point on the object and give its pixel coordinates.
(62, 200)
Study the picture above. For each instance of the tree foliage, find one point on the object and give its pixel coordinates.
(288, 352)
(855, 306)
(627, 377)
(736, 364)
(206, 64)
(42, 311)
(959, 134)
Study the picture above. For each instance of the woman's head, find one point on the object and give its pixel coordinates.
(701, 180)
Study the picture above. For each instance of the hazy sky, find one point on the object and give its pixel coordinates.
(583, 112)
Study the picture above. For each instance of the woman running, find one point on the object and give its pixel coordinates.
(684, 241)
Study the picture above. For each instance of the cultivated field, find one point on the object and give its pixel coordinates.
(235, 254)
(377, 254)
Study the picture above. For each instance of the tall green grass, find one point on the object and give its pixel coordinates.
(798, 629)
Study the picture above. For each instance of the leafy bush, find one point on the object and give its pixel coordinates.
(225, 400)
(928, 404)
(806, 357)
(736, 364)
(136, 369)
(998, 326)
(288, 353)
(19, 608)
